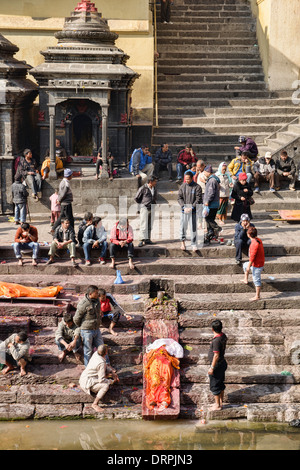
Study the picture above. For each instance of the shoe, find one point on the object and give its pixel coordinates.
(149, 242)
(50, 261)
(256, 190)
(178, 180)
(74, 263)
(272, 190)
(278, 188)
(102, 260)
(142, 243)
(88, 263)
(291, 188)
(238, 262)
(170, 179)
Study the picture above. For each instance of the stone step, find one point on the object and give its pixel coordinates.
(211, 56)
(256, 355)
(252, 412)
(236, 336)
(228, 112)
(228, 94)
(221, 104)
(160, 261)
(269, 300)
(176, 134)
(227, 82)
(193, 121)
(11, 325)
(279, 318)
(210, 27)
(212, 7)
(206, 63)
(233, 283)
(199, 394)
(57, 394)
(198, 33)
(205, 41)
(13, 411)
(251, 375)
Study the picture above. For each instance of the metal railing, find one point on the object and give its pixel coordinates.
(154, 12)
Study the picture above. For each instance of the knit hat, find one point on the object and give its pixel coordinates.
(268, 155)
(244, 217)
(67, 173)
(242, 176)
(242, 138)
(208, 168)
(26, 151)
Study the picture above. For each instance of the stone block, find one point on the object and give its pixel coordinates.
(58, 411)
(16, 411)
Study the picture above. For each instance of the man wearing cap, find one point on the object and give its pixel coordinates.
(264, 171)
(28, 169)
(241, 240)
(211, 202)
(286, 170)
(65, 198)
(247, 145)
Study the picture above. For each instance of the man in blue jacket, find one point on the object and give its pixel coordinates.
(140, 164)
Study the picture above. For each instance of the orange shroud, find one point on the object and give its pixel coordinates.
(16, 290)
(158, 372)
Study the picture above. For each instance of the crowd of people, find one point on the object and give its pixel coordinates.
(80, 335)
(203, 196)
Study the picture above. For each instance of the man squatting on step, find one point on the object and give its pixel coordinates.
(16, 351)
(94, 377)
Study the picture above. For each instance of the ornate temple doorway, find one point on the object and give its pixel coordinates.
(82, 135)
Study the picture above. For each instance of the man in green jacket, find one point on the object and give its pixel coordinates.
(88, 318)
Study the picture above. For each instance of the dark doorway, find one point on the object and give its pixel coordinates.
(82, 135)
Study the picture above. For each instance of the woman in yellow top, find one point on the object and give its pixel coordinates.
(45, 170)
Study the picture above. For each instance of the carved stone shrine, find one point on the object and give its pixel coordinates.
(85, 90)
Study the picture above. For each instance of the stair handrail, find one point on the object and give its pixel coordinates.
(282, 129)
(154, 11)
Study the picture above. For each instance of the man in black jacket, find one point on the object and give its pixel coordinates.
(146, 198)
(20, 195)
(286, 170)
(163, 159)
(189, 198)
(63, 239)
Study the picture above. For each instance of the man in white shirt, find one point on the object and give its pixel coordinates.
(93, 379)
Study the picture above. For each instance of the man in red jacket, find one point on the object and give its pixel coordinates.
(256, 261)
(185, 159)
(121, 237)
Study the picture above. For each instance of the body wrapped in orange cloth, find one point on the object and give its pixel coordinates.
(16, 290)
(158, 372)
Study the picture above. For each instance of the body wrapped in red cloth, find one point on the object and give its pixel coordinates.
(16, 290)
(158, 372)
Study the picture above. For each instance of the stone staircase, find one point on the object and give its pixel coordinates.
(211, 86)
(262, 381)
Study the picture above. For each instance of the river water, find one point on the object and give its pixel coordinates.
(137, 435)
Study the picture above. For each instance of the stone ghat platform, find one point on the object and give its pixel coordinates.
(263, 352)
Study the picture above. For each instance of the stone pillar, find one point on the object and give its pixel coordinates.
(104, 173)
(52, 125)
